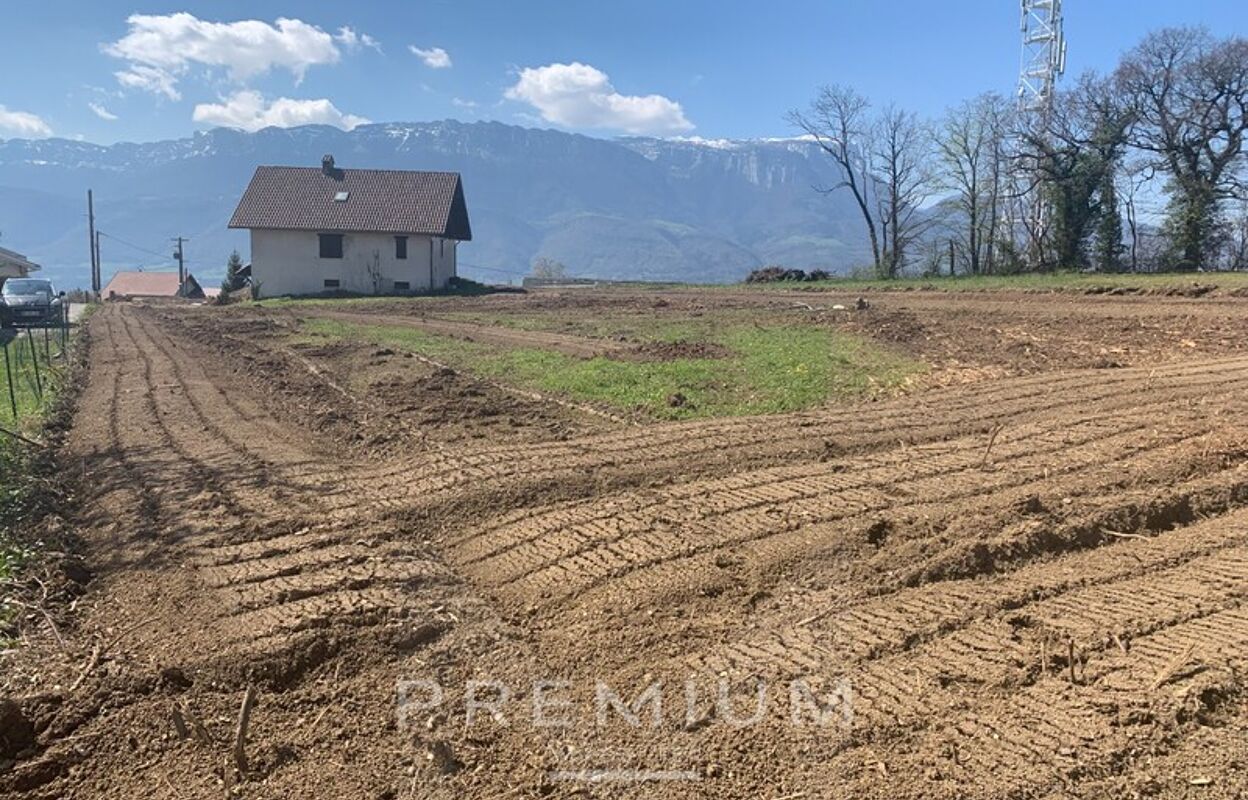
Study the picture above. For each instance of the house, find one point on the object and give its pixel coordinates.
(366, 231)
(127, 285)
(14, 265)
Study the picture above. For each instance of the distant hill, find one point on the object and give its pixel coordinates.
(632, 208)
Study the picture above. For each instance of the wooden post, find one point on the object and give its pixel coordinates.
(34, 357)
(93, 242)
(240, 734)
(8, 371)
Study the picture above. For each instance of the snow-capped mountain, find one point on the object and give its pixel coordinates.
(659, 209)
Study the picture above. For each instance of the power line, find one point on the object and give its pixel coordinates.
(133, 245)
(493, 269)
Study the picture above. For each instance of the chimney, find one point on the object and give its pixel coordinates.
(327, 164)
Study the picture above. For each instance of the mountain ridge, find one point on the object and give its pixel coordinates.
(625, 208)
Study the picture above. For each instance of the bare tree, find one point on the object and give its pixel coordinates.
(838, 121)
(549, 268)
(1189, 95)
(1133, 176)
(1237, 237)
(969, 147)
(901, 151)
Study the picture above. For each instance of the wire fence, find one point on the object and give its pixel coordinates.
(35, 359)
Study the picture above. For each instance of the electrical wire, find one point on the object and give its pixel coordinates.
(132, 245)
(493, 269)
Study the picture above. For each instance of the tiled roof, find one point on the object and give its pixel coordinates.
(14, 259)
(142, 284)
(377, 201)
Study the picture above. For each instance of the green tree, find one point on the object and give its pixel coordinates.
(232, 280)
(1072, 155)
(1189, 95)
(1109, 245)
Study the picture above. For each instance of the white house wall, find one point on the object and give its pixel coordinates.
(289, 262)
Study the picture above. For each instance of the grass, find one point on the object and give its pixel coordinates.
(35, 400)
(770, 369)
(32, 392)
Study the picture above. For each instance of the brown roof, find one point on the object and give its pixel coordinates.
(143, 284)
(377, 201)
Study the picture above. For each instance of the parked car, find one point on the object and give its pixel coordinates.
(30, 301)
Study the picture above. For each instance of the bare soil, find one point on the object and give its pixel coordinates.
(1024, 578)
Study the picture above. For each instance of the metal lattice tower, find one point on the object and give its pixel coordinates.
(1043, 61)
(1044, 54)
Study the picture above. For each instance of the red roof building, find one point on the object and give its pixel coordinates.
(127, 285)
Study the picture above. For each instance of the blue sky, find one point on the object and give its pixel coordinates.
(93, 70)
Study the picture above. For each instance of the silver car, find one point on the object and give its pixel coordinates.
(30, 301)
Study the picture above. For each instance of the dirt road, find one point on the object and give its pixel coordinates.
(1028, 587)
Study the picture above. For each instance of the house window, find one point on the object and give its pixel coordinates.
(400, 247)
(402, 286)
(331, 283)
(331, 245)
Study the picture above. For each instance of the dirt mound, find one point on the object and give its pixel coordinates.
(671, 351)
(457, 408)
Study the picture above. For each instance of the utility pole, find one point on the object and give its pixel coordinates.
(99, 266)
(94, 243)
(181, 263)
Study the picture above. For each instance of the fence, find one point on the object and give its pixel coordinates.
(35, 359)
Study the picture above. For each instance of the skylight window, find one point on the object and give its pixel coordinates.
(341, 197)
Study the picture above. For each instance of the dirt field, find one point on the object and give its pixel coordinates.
(1021, 574)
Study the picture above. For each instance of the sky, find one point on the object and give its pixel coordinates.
(107, 70)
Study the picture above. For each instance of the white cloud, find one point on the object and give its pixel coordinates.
(434, 57)
(150, 79)
(459, 102)
(352, 40)
(101, 112)
(159, 49)
(249, 111)
(579, 96)
(23, 123)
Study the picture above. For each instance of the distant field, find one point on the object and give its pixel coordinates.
(1143, 283)
(1060, 281)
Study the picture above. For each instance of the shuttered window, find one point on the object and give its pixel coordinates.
(331, 245)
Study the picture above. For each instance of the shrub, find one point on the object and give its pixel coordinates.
(777, 274)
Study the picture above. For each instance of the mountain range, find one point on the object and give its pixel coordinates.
(626, 208)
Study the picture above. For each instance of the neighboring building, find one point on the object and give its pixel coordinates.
(15, 265)
(131, 285)
(366, 231)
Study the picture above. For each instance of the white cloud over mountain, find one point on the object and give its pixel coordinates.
(159, 49)
(100, 111)
(248, 110)
(581, 96)
(23, 124)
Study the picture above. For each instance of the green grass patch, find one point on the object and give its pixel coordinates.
(33, 390)
(770, 369)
